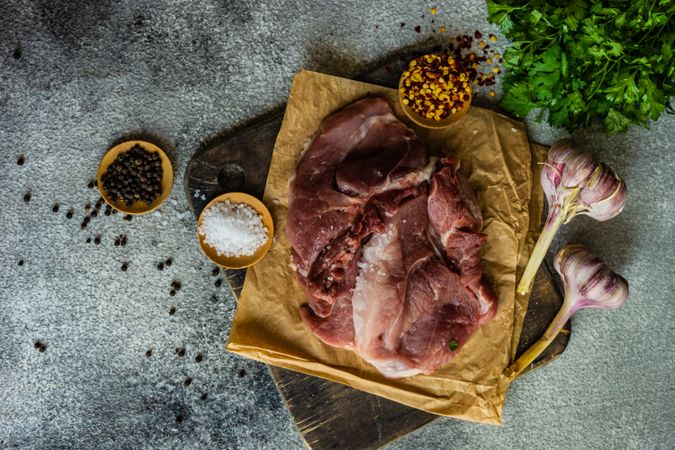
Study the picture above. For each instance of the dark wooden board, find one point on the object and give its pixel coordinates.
(330, 415)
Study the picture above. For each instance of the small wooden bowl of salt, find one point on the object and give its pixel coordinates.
(235, 230)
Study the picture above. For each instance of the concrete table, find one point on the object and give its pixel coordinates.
(127, 365)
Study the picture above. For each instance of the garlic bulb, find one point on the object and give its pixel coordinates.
(574, 183)
(588, 283)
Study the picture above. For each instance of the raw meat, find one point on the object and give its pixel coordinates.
(408, 304)
(387, 254)
(360, 165)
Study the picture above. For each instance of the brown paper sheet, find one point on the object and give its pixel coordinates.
(495, 156)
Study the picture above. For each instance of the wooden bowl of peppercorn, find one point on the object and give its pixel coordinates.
(135, 177)
(428, 70)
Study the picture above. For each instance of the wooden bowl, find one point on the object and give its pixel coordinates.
(137, 207)
(238, 262)
(430, 123)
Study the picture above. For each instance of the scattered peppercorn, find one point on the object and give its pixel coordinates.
(199, 357)
(172, 292)
(242, 373)
(402, 24)
(148, 353)
(128, 217)
(87, 207)
(108, 210)
(123, 242)
(20, 262)
(179, 418)
(187, 382)
(180, 351)
(418, 29)
(215, 272)
(88, 240)
(40, 346)
(160, 266)
(168, 262)
(26, 197)
(21, 160)
(204, 396)
(176, 285)
(69, 214)
(172, 310)
(97, 239)
(94, 213)
(125, 266)
(91, 184)
(218, 282)
(135, 175)
(55, 208)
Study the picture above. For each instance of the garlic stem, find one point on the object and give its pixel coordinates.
(555, 219)
(542, 344)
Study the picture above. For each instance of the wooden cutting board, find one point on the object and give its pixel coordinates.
(330, 415)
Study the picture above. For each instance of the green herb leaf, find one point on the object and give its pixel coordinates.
(452, 345)
(587, 60)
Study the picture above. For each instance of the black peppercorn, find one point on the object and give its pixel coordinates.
(69, 214)
(172, 292)
(20, 262)
(97, 239)
(215, 272)
(26, 197)
(218, 282)
(168, 262)
(160, 266)
(134, 176)
(21, 160)
(125, 266)
(91, 184)
(88, 240)
(55, 208)
(172, 311)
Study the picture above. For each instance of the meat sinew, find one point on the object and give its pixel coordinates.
(387, 254)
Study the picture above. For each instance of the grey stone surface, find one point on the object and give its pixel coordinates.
(75, 76)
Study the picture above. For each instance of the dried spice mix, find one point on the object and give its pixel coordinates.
(438, 85)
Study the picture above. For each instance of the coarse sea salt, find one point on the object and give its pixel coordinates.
(233, 229)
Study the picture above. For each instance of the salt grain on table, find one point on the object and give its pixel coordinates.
(233, 229)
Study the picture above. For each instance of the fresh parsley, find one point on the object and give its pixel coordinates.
(452, 345)
(587, 60)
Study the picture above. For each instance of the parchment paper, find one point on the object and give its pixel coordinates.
(495, 156)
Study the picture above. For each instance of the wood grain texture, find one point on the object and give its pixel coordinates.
(330, 415)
